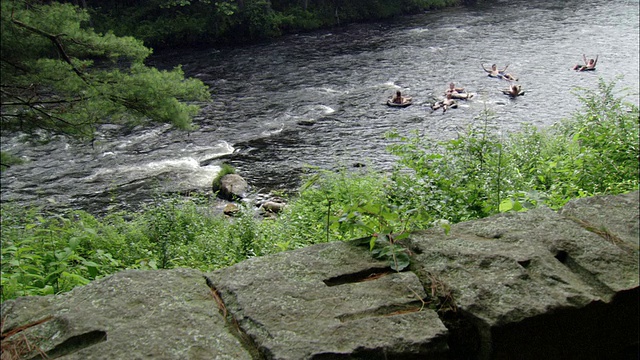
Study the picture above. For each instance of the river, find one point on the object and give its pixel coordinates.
(317, 100)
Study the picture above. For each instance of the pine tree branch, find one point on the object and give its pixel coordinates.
(55, 39)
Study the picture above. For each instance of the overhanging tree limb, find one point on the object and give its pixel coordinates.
(49, 79)
(55, 39)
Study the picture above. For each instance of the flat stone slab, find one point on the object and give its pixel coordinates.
(331, 301)
(542, 276)
(165, 314)
(611, 216)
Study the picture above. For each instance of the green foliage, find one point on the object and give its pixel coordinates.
(481, 172)
(327, 196)
(7, 160)
(170, 23)
(353, 205)
(59, 75)
(478, 174)
(457, 180)
(225, 169)
(385, 228)
(46, 255)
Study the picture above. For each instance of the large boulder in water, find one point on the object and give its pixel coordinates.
(232, 187)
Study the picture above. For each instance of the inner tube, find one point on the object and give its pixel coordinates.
(462, 96)
(405, 103)
(507, 92)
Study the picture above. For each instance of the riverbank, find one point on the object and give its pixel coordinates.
(435, 185)
(203, 24)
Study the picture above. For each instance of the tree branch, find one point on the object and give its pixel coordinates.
(55, 39)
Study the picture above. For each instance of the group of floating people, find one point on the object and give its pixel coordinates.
(454, 93)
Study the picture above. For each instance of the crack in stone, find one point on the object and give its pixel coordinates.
(360, 276)
(232, 323)
(604, 291)
(382, 311)
(75, 343)
(605, 234)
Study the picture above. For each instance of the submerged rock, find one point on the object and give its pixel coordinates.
(232, 187)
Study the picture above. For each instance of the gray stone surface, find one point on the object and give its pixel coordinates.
(165, 314)
(610, 215)
(331, 301)
(512, 270)
(232, 187)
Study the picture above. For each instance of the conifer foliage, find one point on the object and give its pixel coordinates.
(57, 74)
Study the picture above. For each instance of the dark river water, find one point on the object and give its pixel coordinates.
(318, 99)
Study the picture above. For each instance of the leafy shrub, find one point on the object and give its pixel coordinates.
(46, 255)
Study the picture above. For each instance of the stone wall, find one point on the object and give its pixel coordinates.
(533, 285)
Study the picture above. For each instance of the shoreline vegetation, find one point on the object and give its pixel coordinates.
(199, 23)
(478, 174)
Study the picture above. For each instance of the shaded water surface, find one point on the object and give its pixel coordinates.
(317, 99)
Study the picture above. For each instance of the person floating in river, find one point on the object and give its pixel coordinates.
(513, 91)
(588, 65)
(445, 104)
(457, 93)
(501, 74)
(399, 101)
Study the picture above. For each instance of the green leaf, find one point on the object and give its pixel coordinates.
(518, 207)
(73, 243)
(506, 205)
(400, 261)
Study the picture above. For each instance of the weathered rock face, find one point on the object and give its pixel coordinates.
(331, 301)
(541, 284)
(131, 315)
(534, 285)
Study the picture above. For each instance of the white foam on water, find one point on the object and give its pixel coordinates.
(187, 170)
(329, 90)
(326, 110)
(419, 30)
(273, 130)
(205, 153)
(202, 177)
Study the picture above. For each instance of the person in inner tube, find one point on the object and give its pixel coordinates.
(501, 74)
(445, 104)
(513, 90)
(457, 92)
(588, 65)
(397, 99)
(454, 90)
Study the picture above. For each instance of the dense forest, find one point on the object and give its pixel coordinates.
(163, 23)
